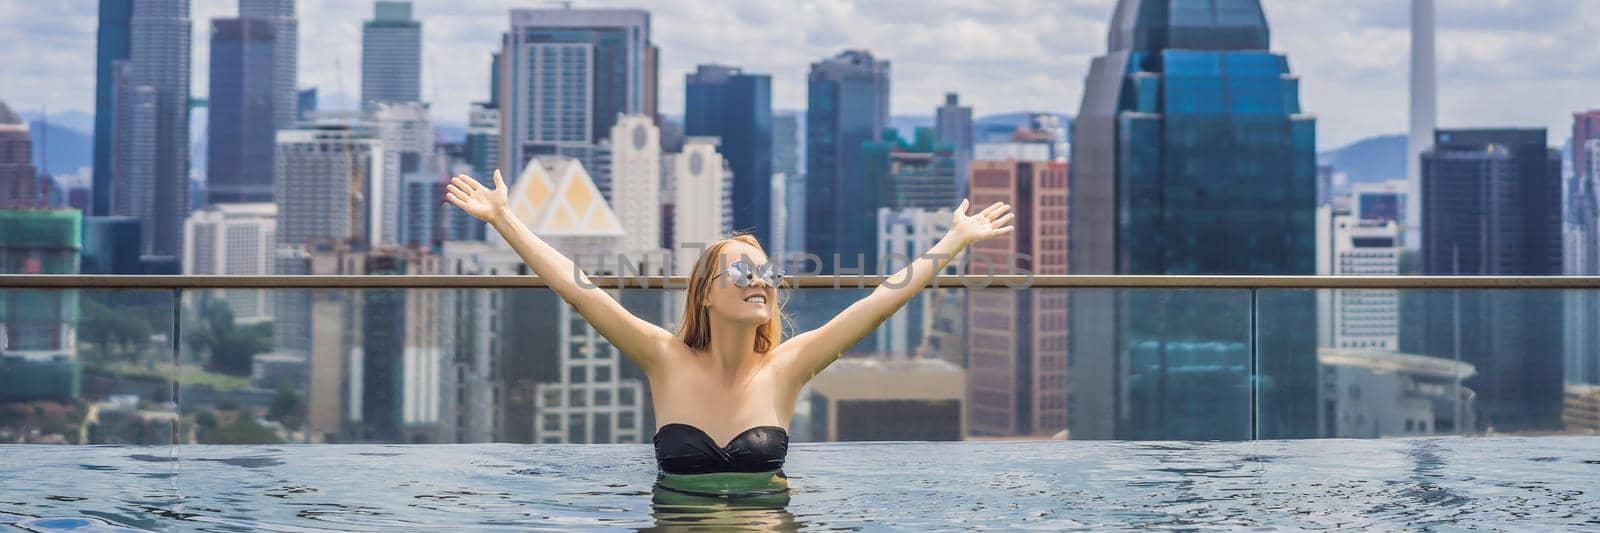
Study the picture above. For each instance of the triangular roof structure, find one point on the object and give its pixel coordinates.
(555, 197)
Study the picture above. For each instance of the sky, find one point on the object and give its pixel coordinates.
(1522, 63)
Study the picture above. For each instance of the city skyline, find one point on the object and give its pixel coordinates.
(1490, 56)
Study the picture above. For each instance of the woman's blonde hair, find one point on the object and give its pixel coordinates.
(695, 330)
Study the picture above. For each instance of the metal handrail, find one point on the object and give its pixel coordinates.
(971, 281)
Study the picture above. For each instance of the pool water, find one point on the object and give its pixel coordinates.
(1497, 483)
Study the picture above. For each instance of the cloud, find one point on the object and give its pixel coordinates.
(1501, 62)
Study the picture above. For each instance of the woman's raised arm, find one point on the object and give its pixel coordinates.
(636, 338)
(813, 351)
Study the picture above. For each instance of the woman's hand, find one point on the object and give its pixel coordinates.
(481, 202)
(985, 224)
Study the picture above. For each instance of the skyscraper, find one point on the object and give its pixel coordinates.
(285, 56)
(699, 181)
(406, 130)
(326, 176)
(113, 42)
(954, 124)
(1016, 339)
(234, 239)
(636, 193)
(1492, 206)
(727, 103)
(847, 104)
(920, 174)
(242, 120)
(391, 54)
(1190, 155)
(19, 182)
(150, 165)
(568, 73)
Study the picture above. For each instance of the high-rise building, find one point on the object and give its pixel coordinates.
(1583, 253)
(636, 187)
(327, 177)
(406, 130)
(1359, 319)
(39, 355)
(113, 43)
(19, 182)
(243, 117)
(919, 175)
(847, 104)
(150, 163)
(954, 125)
(702, 200)
(286, 102)
(391, 54)
(110, 246)
(305, 102)
(1190, 155)
(1492, 206)
(567, 74)
(423, 223)
(786, 138)
(233, 239)
(1017, 339)
(727, 103)
(904, 235)
(1424, 110)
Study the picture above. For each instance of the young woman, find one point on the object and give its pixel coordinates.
(724, 386)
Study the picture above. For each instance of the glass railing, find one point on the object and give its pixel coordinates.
(467, 359)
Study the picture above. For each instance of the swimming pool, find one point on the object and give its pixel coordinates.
(1486, 482)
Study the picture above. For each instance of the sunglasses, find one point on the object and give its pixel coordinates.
(744, 273)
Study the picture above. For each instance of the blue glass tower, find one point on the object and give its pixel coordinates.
(847, 105)
(1191, 155)
(727, 103)
(243, 110)
(113, 42)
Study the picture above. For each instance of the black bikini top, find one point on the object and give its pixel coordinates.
(685, 449)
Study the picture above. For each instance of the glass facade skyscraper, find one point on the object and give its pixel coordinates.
(391, 55)
(1191, 155)
(112, 43)
(1491, 205)
(243, 110)
(727, 103)
(847, 105)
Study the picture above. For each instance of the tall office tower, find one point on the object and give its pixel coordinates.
(1582, 208)
(406, 130)
(305, 102)
(150, 164)
(423, 223)
(702, 199)
(391, 55)
(39, 357)
(243, 114)
(786, 139)
(954, 125)
(233, 239)
(566, 75)
(1017, 339)
(847, 104)
(1492, 206)
(636, 193)
(113, 43)
(727, 103)
(919, 175)
(483, 139)
(1190, 155)
(286, 98)
(19, 182)
(1424, 110)
(1348, 245)
(1583, 307)
(903, 236)
(327, 176)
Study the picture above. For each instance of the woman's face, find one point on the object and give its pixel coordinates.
(751, 305)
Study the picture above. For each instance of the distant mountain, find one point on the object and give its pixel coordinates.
(1369, 160)
(73, 120)
(70, 151)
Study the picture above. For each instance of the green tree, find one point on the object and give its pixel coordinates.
(229, 346)
(287, 408)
